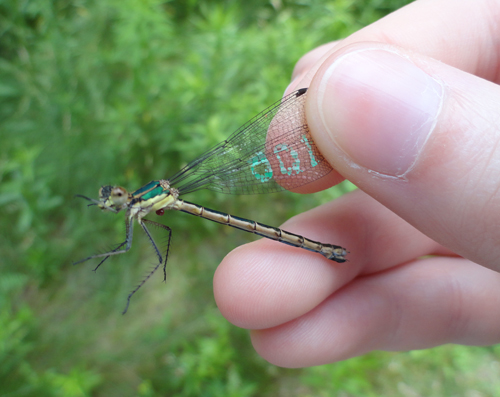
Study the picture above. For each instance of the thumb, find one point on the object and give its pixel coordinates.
(419, 136)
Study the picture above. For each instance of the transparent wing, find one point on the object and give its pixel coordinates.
(271, 152)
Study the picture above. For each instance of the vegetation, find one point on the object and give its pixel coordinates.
(97, 92)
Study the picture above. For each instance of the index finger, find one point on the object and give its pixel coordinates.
(263, 284)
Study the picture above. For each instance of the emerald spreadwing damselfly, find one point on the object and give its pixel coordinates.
(273, 151)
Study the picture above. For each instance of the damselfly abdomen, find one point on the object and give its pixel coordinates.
(272, 152)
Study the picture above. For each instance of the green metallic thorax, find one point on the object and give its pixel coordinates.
(153, 196)
(152, 189)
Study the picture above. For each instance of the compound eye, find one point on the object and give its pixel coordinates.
(119, 196)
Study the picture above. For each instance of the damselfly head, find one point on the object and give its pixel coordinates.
(114, 197)
(105, 192)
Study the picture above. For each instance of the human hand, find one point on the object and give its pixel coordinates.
(408, 110)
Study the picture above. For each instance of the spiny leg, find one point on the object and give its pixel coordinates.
(129, 231)
(101, 262)
(169, 231)
(160, 261)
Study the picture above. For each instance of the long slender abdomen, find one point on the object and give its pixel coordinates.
(333, 252)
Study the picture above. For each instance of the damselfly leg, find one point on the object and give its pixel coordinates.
(129, 230)
(160, 258)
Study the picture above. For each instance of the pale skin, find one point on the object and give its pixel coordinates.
(424, 227)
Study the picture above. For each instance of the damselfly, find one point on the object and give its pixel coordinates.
(272, 152)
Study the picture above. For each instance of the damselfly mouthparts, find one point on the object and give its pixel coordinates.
(272, 152)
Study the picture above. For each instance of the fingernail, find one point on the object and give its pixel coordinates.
(379, 108)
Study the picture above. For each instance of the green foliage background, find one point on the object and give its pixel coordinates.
(123, 92)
